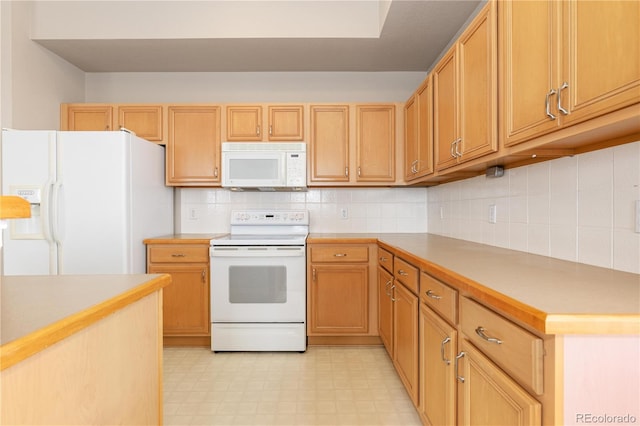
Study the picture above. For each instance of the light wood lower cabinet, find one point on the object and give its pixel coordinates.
(488, 396)
(186, 302)
(405, 338)
(385, 309)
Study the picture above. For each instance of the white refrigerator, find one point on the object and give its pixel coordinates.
(95, 196)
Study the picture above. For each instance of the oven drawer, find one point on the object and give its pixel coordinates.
(406, 273)
(178, 253)
(385, 259)
(339, 253)
(517, 351)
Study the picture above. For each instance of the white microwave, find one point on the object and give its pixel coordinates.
(264, 166)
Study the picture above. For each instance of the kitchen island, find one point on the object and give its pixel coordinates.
(81, 349)
(578, 327)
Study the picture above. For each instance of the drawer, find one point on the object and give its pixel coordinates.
(178, 253)
(406, 273)
(517, 351)
(339, 253)
(439, 296)
(385, 259)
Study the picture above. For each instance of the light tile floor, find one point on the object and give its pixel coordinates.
(324, 386)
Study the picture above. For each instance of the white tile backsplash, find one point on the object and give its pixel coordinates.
(578, 208)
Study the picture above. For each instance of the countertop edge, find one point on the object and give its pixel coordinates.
(17, 350)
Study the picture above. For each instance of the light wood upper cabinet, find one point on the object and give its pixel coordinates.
(83, 117)
(375, 143)
(465, 94)
(193, 149)
(562, 63)
(329, 143)
(245, 123)
(144, 120)
(418, 141)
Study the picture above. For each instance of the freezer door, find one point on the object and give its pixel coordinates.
(28, 166)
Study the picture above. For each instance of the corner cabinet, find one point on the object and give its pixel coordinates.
(193, 149)
(583, 62)
(465, 97)
(418, 132)
(340, 294)
(186, 303)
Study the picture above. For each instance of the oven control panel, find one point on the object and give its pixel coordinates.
(262, 217)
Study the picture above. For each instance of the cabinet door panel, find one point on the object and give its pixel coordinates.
(286, 123)
(438, 344)
(489, 397)
(329, 143)
(193, 149)
(144, 120)
(186, 299)
(601, 57)
(340, 299)
(478, 86)
(410, 138)
(529, 56)
(244, 123)
(89, 118)
(375, 143)
(424, 97)
(385, 309)
(445, 105)
(405, 338)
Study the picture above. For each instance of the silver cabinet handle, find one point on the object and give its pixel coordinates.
(359, 171)
(480, 332)
(178, 255)
(457, 144)
(203, 275)
(257, 130)
(444, 342)
(459, 378)
(402, 272)
(451, 150)
(346, 171)
(565, 85)
(215, 172)
(340, 254)
(547, 106)
(313, 274)
(270, 129)
(391, 291)
(386, 288)
(383, 259)
(432, 295)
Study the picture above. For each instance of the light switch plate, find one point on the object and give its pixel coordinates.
(492, 213)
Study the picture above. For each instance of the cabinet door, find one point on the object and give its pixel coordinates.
(286, 123)
(411, 138)
(478, 95)
(385, 309)
(329, 143)
(424, 98)
(528, 68)
(144, 120)
(87, 117)
(405, 338)
(339, 299)
(186, 299)
(438, 344)
(445, 106)
(489, 397)
(601, 54)
(375, 143)
(244, 123)
(193, 148)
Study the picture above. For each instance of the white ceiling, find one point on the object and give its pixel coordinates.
(411, 37)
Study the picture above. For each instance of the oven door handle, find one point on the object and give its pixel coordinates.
(256, 252)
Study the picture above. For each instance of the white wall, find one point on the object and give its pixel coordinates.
(368, 209)
(34, 80)
(577, 208)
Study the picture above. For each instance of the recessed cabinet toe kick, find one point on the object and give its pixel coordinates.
(258, 284)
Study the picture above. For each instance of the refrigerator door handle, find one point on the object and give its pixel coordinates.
(57, 213)
(47, 195)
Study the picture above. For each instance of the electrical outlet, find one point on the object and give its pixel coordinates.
(193, 214)
(344, 214)
(492, 213)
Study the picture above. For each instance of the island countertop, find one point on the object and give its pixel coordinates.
(548, 295)
(38, 311)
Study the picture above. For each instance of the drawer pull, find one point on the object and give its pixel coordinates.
(178, 255)
(480, 332)
(340, 254)
(444, 342)
(432, 295)
(383, 259)
(386, 288)
(459, 378)
(402, 272)
(391, 292)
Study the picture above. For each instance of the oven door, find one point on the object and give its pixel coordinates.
(258, 284)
